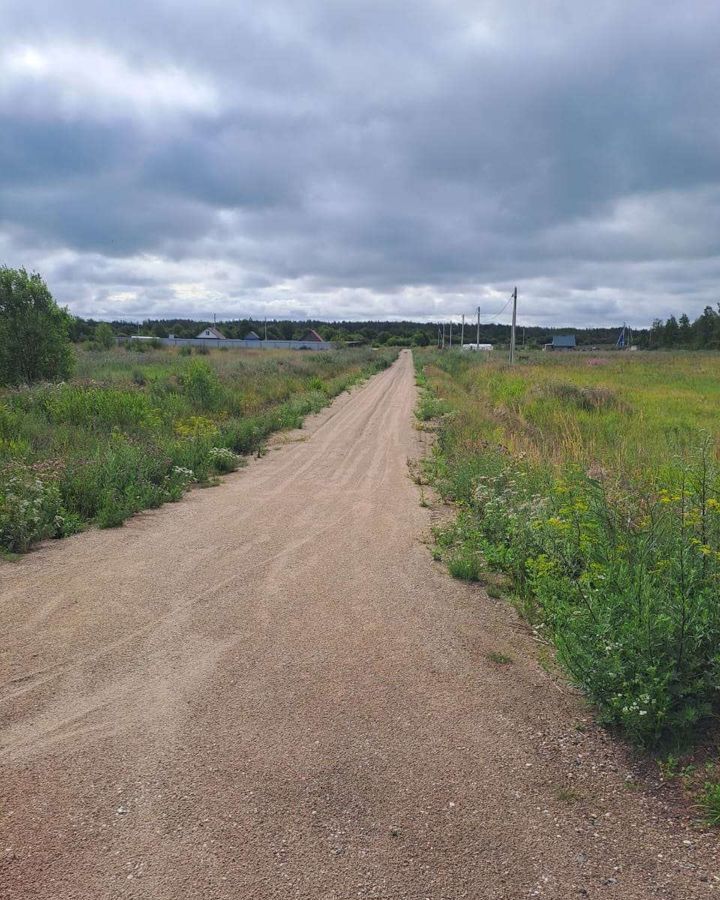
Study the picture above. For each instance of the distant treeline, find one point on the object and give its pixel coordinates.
(702, 334)
(398, 334)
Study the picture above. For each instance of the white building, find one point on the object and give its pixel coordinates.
(212, 332)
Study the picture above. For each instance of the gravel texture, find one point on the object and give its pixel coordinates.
(270, 690)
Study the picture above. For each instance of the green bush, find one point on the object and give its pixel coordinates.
(104, 336)
(34, 341)
(202, 385)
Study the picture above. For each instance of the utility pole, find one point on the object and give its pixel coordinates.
(438, 337)
(462, 332)
(443, 336)
(512, 332)
(451, 334)
(477, 343)
(265, 327)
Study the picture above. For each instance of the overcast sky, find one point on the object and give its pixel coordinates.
(364, 158)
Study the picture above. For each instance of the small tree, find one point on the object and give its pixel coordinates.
(34, 341)
(104, 336)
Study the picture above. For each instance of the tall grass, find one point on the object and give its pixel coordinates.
(134, 430)
(594, 485)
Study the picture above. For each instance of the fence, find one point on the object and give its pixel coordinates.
(236, 343)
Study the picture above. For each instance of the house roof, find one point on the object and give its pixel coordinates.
(252, 336)
(213, 330)
(311, 335)
(563, 340)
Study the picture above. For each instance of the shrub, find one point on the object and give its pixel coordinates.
(104, 336)
(34, 341)
(202, 385)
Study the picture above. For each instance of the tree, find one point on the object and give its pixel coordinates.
(657, 334)
(671, 335)
(685, 330)
(34, 330)
(104, 336)
(704, 327)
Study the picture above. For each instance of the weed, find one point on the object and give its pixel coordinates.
(501, 659)
(569, 795)
(465, 566)
(668, 767)
(710, 802)
(430, 407)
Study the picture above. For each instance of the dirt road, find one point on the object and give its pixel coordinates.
(270, 690)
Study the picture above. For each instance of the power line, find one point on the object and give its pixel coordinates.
(500, 312)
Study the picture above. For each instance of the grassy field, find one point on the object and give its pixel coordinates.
(134, 430)
(589, 488)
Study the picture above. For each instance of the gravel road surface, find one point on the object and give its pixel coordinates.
(270, 690)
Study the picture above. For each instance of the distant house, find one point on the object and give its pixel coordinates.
(252, 336)
(311, 335)
(212, 332)
(562, 342)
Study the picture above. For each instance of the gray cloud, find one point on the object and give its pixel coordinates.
(363, 159)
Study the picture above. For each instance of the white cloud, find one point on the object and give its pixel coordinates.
(80, 80)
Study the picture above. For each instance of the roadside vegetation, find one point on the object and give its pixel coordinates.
(135, 428)
(589, 487)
